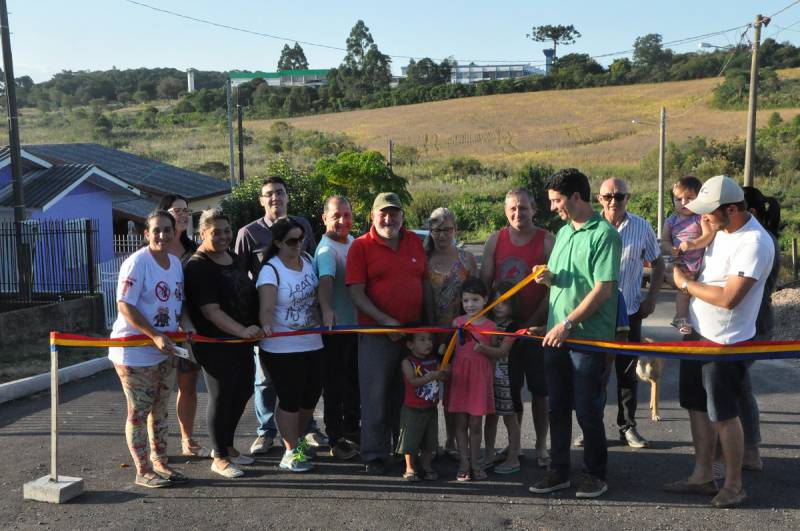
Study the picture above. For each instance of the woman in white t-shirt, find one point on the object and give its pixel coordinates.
(149, 301)
(287, 293)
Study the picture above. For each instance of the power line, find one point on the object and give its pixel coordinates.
(784, 9)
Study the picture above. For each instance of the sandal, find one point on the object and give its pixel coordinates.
(190, 448)
(463, 475)
(410, 476)
(478, 474)
(683, 326)
(507, 469)
(430, 475)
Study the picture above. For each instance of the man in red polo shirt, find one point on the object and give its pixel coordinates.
(386, 276)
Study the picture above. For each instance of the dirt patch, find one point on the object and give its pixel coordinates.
(787, 314)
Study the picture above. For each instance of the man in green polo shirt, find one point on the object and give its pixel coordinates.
(582, 274)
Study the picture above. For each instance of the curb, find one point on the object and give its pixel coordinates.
(34, 384)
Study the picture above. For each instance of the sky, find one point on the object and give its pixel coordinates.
(49, 36)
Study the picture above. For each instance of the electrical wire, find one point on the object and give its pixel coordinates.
(784, 9)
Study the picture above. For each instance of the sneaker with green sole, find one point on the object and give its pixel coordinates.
(295, 461)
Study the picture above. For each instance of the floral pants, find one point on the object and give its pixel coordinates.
(147, 390)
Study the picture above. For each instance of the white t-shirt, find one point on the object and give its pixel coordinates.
(748, 252)
(296, 307)
(158, 294)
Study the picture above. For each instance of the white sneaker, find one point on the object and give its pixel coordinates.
(316, 438)
(295, 461)
(230, 471)
(261, 445)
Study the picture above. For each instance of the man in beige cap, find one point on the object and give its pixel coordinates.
(723, 309)
(385, 273)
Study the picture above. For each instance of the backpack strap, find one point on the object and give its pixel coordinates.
(277, 276)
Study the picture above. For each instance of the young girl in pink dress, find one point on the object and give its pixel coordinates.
(470, 394)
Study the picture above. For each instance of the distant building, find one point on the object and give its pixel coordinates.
(472, 73)
(283, 78)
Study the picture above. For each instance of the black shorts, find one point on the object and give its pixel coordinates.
(526, 362)
(297, 377)
(714, 387)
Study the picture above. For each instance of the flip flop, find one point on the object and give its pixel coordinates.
(510, 469)
(464, 475)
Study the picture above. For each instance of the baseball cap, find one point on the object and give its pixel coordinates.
(719, 190)
(386, 200)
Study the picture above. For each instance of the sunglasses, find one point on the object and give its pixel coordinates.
(618, 197)
(294, 242)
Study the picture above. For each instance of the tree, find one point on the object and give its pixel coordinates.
(427, 72)
(292, 58)
(365, 69)
(169, 88)
(648, 51)
(557, 34)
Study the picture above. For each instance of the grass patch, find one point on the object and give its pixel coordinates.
(30, 359)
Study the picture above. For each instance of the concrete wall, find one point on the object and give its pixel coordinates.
(79, 315)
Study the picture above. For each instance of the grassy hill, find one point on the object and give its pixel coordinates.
(608, 126)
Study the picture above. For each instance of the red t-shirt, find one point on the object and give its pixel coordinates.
(392, 279)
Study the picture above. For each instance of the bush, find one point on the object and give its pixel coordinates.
(533, 177)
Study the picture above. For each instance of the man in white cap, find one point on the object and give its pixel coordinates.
(724, 305)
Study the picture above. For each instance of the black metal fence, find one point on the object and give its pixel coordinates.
(47, 260)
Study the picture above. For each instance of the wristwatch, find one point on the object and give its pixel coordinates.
(567, 324)
(685, 286)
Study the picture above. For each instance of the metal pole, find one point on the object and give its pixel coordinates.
(241, 133)
(662, 140)
(53, 410)
(231, 168)
(750, 144)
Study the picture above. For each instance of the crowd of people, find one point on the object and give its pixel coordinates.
(381, 392)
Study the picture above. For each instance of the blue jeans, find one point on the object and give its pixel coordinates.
(265, 399)
(575, 382)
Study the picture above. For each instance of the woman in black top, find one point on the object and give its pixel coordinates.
(223, 302)
(184, 247)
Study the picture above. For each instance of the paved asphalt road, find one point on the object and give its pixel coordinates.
(339, 495)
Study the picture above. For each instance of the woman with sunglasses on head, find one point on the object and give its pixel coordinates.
(150, 302)
(287, 293)
(184, 247)
(222, 301)
(448, 268)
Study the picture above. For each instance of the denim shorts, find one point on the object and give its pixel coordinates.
(714, 387)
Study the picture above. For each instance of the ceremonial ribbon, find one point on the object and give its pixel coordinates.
(451, 346)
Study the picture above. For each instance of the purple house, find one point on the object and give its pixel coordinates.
(73, 192)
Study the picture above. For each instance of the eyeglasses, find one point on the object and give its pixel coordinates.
(443, 230)
(618, 197)
(181, 210)
(274, 193)
(294, 242)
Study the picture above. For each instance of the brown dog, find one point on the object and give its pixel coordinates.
(649, 370)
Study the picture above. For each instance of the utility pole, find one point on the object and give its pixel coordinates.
(23, 266)
(231, 168)
(662, 141)
(391, 148)
(750, 145)
(241, 133)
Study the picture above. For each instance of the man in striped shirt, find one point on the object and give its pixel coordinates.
(639, 243)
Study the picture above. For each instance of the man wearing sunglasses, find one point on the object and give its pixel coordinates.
(639, 244)
(252, 243)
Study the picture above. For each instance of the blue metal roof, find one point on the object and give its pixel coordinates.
(42, 186)
(151, 175)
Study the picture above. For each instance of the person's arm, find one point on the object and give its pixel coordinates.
(499, 352)
(413, 379)
(648, 304)
(214, 313)
(666, 240)
(728, 296)
(428, 300)
(705, 239)
(487, 261)
(325, 296)
(267, 299)
(601, 292)
(539, 316)
(133, 316)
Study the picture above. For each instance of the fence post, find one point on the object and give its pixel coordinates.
(90, 272)
(794, 258)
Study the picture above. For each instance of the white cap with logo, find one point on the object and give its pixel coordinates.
(719, 190)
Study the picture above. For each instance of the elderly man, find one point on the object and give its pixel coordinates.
(639, 243)
(340, 390)
(725, 301)
(509, 254)
(252, 242)
(582, 273)
(386, 276)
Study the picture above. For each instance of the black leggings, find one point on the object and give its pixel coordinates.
(229, 373)
(297, 377)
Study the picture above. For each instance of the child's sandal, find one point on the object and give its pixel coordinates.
(410, 476)
(463, 475)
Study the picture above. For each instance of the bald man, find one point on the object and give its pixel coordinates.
(639, 243)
